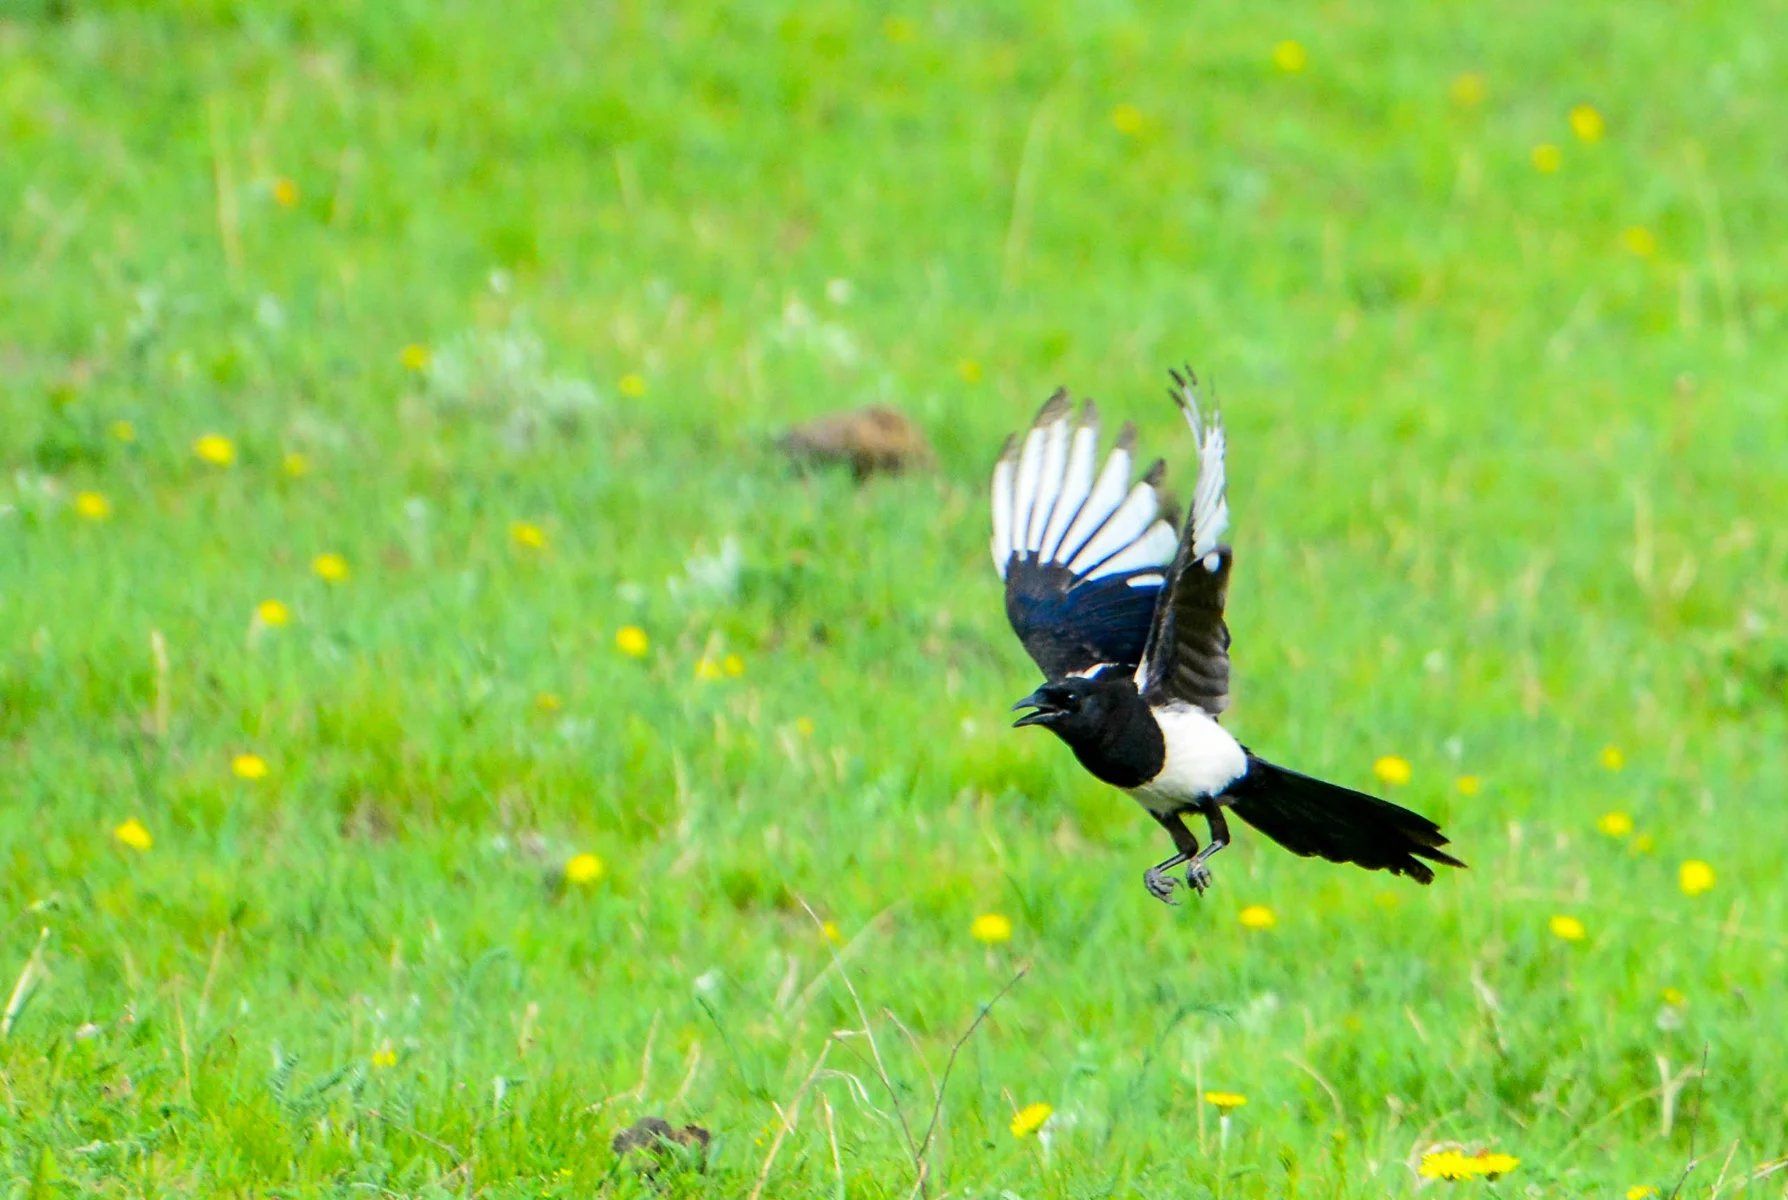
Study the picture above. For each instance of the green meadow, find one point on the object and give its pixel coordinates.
(439, 727)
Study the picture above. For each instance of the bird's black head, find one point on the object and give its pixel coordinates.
(1075, 707)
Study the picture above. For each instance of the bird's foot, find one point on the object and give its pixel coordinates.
(1198, 877)
(1160, 884)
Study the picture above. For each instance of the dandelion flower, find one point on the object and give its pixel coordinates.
(584, 868)
(1639, 241)
(1030, 1118)
(1695, 877)
(829, 931)
(969, 370)
(215, 449)
(1468, 785)
(91, 506)
(1290, 57)
(1392, 770)
(707, 670)
(1674, 997)
(1257, 916)
(1490, 1163)
(413, 357)
(1547, 158)
(1445, 1164)
(249, 766)
(1567, 928)
(124, 431)
(633, 386)
(273, 614)
(527, 535)
(330, 568)
(1225, 1100)
(1468, 89)
(733, 665)
(631, 640)
(805, 726)
(1128, 120)
(295, 465)
(1612, 758)
(992, 928)
(384, 1057)
(1640, 1191)
(134, 835)
(1587, 123)
(548, 702)
(285, 192)
(1615, 824)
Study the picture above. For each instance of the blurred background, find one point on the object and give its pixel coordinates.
(447, 717)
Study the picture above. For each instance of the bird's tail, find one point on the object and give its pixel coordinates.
(1310, 817)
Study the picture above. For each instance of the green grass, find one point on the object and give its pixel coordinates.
(1506, 493)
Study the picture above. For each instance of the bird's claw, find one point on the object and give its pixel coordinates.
(1198, 877)
(1160, 885)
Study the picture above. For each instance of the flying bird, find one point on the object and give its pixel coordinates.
(1125, 618)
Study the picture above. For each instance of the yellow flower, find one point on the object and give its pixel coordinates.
(330, 568)
(631, 640)
(1492, 1164)
(548, 702)
(1128, 120)
(215, 449)
(1639, 241)
(384, 1056)
(1640, 1191)
(1445, 1164)
(1615, 824)
(295, 465)
(413, 357)
(1695, 877)
(1225, 1100)
(584, 868)
(527, 535)
(804, 726)
(91, 506)
(1257, 916)
(633, 386)
(1587, 123)
(1547, 159)
(273, 614)
(829, 931)
(1612, 758)
(1468, 89)
(1392, 770)
(1675, 998)
(992, 928)
(1468, 785)
(249, 766)
(970, 370)
(124, 431)
(899, 30)
(733, 665)
(707, 670)
(134, 835)
(1030, 1118)
(285, 192)
(1567, 928)
(1290, 56)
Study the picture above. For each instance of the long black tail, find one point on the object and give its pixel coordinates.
(1310, 817)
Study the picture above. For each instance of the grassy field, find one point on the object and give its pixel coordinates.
(462, 333)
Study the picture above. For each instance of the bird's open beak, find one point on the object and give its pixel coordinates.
(1045, 713)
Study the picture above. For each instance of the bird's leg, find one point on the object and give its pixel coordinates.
(1156, 879)
(1198, 876)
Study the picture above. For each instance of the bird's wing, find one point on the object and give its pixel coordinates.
(1187, 658)
(1082, 549)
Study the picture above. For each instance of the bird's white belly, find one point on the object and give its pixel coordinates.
(1202, 759)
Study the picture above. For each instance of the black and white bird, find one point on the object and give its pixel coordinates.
(1126, 621)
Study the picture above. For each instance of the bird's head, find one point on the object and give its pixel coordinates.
(1069, 706)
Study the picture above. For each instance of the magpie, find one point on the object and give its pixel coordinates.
(1126, 621)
